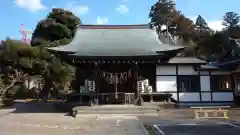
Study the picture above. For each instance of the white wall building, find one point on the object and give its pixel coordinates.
(188, 84)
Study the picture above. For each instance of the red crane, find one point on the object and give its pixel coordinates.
(25, 34)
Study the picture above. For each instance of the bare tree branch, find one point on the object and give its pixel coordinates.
(17, 76)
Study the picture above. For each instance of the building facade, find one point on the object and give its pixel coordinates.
(123, 62)
(189, 84)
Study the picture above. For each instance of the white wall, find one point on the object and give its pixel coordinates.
(206, 96)
(186, 70)
(166, 70)
(205, 83)
(204, 72)
(171, 70)
(166, 83)
(188, 97)
(205, 86)
(222, 96)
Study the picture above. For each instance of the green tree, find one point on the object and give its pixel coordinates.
(161, 13)
(59, 24)
(201, 40)
(231, 19)
(201, 23)
(234, 32)
(164, 13)
(184, 27)
(58, 28)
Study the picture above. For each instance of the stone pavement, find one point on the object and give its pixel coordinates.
(54, 123)
(204, 128)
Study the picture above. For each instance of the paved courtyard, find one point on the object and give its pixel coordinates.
(173, 126)
(48, 124)
(40, 119)
(198, 129)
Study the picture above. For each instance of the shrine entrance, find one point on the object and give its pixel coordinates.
(116, 84)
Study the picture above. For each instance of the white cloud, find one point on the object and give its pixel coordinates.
(102, 20)
(31, 5)
(122, 9)
(193, 18)
(213, 24)
(80, 9)
(125, 0)
(76, 7)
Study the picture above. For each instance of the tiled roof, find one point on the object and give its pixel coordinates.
(116, 40)
(187, 60)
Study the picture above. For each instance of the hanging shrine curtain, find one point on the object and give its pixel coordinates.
(113, 78)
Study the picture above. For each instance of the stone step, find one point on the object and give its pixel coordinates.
(123, 111)
(115, 112)
(115, 109)
(118, 111)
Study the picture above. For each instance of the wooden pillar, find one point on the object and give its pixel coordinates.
(151, 97)
(97, 81)
(138, 100)
(135, 78)
(76, 85)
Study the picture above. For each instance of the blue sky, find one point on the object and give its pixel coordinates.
(29, 12)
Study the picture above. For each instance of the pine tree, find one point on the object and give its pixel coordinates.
(161, 12)
(201, 23)
(231, 19)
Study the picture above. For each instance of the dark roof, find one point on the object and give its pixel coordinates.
(186, 60)
(227, 62)
(208, 67)
(115, 40)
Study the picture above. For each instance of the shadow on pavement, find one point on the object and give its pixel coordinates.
(40, 107)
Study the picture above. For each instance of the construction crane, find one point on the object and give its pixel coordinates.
(25, 34)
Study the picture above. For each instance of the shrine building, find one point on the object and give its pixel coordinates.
(122, 62)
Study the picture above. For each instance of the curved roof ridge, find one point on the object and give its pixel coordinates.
(116, 40)
(133, 26)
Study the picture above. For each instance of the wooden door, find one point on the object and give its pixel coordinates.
(237, 85)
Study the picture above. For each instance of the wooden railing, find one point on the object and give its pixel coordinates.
(210, 112)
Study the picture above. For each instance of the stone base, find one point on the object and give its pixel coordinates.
(116, 109)
(170, 105)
